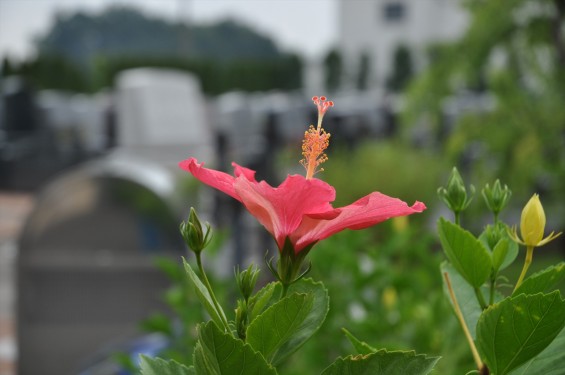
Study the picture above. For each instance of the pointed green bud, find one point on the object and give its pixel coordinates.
(195, 237)
(455, 194)
(241, 313)
(497, 197)
(494, 233)
(246, 280)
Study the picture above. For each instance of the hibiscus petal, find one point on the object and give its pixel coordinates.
(367, 211)
(280, 210)
(219, 180)
(246, 172)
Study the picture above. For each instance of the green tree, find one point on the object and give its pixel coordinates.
(51, 72)
(333, 70)
(122, 31)
(363, 72)
(7, 68)
(516, 51)
(87, 51)
(403, 69)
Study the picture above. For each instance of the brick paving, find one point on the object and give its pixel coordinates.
(14, 208)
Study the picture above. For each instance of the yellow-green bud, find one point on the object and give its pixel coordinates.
(532, 225)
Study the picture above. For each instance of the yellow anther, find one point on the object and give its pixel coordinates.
(313, 146)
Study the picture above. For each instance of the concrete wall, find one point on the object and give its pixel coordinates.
(364, 27)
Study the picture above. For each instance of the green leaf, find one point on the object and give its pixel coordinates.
(465, 296)
(270, 294)
(361, 346)
(467, 254)
(218, 353)
(313, 321)
(504, 251)
(279, 323)
(542, 281)
(549, 362)
(517, 329)
(504, 254)
(217, 316)
(265, 297)
(383, 363)
(158, 366)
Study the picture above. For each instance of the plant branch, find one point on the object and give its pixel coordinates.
(480, 298)
(527, 262)
(212, 296)
(461, 319)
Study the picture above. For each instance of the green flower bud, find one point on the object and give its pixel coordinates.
(195, 237)
(497, 197)
(494, 233)
(246, 280)
(455, 194)
(241, 319)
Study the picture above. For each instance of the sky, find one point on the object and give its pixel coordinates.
(308, 27)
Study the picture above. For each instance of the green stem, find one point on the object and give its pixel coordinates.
(284, 290)
(456, 217)
(461, 319)
(527, 262)
(492, 288)
(480, 298)
(212, 295)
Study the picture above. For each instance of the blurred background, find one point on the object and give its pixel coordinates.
(100, 99)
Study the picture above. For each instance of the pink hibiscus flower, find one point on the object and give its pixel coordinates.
(298, 213)
(299, 209)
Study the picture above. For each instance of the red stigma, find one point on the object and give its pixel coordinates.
(322, 103)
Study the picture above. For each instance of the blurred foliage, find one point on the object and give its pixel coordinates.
(403, 69)
(84, 53)
(389, 167)
(514, 55)
(384, 288)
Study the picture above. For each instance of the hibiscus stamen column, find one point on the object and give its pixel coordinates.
(316, 140)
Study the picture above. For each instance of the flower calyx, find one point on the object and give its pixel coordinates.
(289, 266)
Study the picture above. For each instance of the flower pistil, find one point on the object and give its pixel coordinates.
(316, 140)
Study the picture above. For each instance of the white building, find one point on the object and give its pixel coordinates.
(378, 27)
